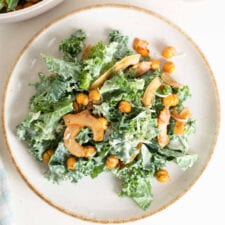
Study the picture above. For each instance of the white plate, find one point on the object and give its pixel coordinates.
(97, 199)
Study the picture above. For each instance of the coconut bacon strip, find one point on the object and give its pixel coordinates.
(167, 79)
(73, 147)
(86, 119)
(120, 65)
(150, 91)
(141, 68)
(163, 122)
(74, 123)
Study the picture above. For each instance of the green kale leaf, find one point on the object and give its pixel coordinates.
(72, 46)
(118, 88)
(66, 70)
(42, 131)
(59, 172)
(11, 4)
(136, 184)
(84, 136)
(49, 92)
(53, 89)
(99, 60)
(126, 135)
(122, 48)
(183, 93)
(186, 161)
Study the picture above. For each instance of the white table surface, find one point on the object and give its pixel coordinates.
(203, 20)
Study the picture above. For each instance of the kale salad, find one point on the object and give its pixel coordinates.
(109, 108)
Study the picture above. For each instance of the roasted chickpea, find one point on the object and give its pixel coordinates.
(104, 122)
(162, 175)
(169, 52)
(70, 163)
(169, 67)
(82, 99)
(171, 100)
(124, 107)
(155, 64)
(94, 95)
(47, 155)
(90, 151)
(112, 161)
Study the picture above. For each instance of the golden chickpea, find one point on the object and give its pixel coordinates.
(169, 52)
(155, 64)
(104, 122)
(125, 107)
(82, 99)
(171, 100)
(89, 151)
(94, 95)
(47, 155)
(70, 163)
(169, 67)
(112, 161)
(162, 175)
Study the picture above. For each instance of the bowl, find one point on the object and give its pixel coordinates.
(29, 12)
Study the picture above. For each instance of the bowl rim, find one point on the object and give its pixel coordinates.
(33, 10)
(178, 29)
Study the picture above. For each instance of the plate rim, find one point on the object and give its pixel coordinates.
(137, 9)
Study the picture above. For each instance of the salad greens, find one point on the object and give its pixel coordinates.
(9, 4)
(74, 45)
(132, 139)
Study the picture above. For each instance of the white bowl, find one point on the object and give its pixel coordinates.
(28, 12)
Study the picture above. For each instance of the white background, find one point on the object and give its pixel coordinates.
(203, 20)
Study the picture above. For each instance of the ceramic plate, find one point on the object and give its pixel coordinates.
(97, 199)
